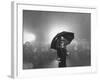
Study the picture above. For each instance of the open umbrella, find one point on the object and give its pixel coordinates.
(67, 35)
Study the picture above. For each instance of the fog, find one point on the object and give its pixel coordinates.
(44, 25)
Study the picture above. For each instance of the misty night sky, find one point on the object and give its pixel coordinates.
(42, 23)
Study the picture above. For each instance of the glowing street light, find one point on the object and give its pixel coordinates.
(29, 37)
(57, 29)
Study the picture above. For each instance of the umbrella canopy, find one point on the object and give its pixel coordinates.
(67, 35)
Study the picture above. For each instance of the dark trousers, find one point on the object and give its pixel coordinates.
(62, 55)
(62, 62)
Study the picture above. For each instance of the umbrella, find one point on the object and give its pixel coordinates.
(67, 35)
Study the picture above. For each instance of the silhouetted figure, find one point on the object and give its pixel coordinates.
(60, 43)
(62, 51)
